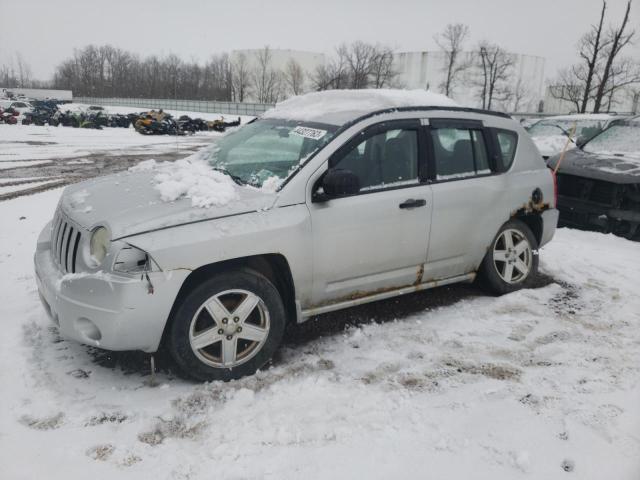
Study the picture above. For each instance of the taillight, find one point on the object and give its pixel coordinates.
(555, 188)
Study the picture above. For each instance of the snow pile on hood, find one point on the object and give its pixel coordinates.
(339, 106)
(191, 178)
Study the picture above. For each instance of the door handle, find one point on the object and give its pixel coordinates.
(413, 203)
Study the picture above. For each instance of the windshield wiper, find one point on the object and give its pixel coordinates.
(566, 134)
(235, 178)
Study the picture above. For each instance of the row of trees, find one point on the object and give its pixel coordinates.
(109, 71)
(106, 71)
(602, 70)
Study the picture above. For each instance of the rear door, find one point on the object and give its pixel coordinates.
(466, 189)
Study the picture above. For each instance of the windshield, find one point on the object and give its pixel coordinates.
(268, 149)
(585, 129)
(621, 139)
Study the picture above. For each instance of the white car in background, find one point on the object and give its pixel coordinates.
(20, 106)
(550, 134)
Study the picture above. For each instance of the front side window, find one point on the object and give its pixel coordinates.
(268, 148)
(459, 153)
(387, 159)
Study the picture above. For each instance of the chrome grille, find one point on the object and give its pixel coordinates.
(65, 239)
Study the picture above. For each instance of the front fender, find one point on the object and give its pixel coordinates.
(284, 230)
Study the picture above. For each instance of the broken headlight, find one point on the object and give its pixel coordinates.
(132, 260)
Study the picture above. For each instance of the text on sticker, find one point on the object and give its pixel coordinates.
(307, 132)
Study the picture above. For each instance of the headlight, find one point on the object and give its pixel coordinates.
(99, 244)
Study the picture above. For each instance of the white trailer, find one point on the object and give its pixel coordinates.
(36, 93)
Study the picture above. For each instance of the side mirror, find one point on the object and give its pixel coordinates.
(338, 182)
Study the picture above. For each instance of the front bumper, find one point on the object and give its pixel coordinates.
(110, 311)
(582, 214)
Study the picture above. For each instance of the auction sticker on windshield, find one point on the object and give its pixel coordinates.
(307, 132)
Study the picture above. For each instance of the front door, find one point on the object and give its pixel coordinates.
(376, 240)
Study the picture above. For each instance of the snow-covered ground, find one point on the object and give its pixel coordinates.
(65, 154)
(540, 384)
(19, 143)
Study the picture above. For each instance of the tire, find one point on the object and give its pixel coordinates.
(227, 327)
(500, 276)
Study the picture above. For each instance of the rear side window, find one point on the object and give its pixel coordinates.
(507, 143)
(459, 153)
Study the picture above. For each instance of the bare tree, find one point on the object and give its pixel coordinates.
(240, 78)
(333, 75)
(520, 95)
(602, 70)
(450, 42)
(357, 65)
(618, 38)
(383, 73)
(358, 59)
(24, 71)
(589, 50)
(265, 80)
(495, 65)
(294, 77)
(569, 87)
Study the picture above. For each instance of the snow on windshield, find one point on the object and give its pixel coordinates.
(617, 139)
(316, 105)
(552, 144)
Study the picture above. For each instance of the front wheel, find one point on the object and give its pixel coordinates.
(227, 327)
(511, 262)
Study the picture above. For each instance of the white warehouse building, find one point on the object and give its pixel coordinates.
(427, 70)
(417, 70)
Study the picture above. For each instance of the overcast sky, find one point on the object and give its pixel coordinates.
(46, 32)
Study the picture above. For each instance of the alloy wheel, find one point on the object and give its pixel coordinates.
(229, 328)
(512, 256)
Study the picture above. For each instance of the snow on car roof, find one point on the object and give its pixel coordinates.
(337, 107)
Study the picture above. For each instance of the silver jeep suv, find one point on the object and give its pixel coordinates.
(330, 200)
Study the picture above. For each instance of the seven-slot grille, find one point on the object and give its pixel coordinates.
(65, 239)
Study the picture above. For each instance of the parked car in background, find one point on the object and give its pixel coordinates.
(599, 183)
(20, 106)
(330, 200)
(550, 134)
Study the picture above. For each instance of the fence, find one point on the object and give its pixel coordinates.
(204, 106)
(227, 108)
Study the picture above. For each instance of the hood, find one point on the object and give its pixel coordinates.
(599, 166)
(130, 203)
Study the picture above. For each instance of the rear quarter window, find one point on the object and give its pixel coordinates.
(506, 142)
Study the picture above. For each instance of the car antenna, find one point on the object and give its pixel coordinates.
(566, 146)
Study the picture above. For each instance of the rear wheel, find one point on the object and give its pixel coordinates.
(227, 327)
(512, 260)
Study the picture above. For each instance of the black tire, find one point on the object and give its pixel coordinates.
(178, 338)
(491, 279)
